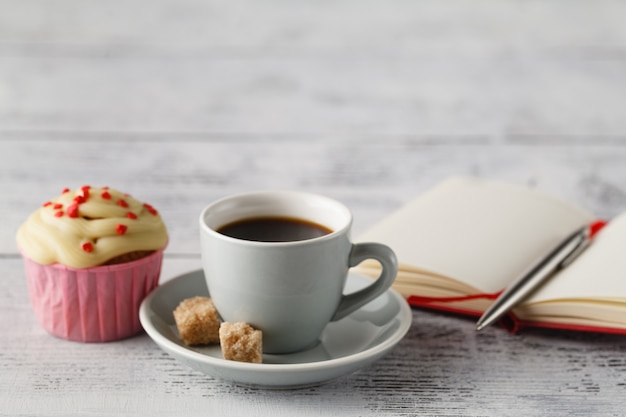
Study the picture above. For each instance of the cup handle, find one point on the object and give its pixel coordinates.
(389, 262)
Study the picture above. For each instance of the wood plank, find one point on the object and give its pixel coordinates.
(493, 95)
(442, 367)
(372, 177)
(403, 27)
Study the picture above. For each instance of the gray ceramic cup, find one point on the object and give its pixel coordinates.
(289, 290)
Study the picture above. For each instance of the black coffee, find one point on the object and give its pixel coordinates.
(274, 229)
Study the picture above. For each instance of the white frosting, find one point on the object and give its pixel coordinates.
(89, 226)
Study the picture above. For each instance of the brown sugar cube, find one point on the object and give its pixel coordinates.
(241, 342)
(197, 321)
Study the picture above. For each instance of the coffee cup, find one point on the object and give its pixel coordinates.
(279, 261)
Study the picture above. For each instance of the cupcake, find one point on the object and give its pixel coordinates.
(91, 256)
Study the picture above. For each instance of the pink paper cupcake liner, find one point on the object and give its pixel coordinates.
(98, 304)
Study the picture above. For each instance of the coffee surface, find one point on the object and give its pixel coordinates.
(273, 229)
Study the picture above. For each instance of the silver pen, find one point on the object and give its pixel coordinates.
(559, 257)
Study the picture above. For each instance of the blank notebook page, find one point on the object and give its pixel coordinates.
(479, 232)
(599, 272)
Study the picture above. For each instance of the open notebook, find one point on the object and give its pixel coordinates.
(462, 242)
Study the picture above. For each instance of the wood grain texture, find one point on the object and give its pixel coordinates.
(370, 102)
(347, 67)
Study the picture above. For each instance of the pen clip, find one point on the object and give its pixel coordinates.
(582, 245)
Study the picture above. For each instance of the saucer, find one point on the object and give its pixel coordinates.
(344, 347)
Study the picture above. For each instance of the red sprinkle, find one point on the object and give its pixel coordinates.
(65, 190)
(85, 191)
(122, 203)
(47, 203)
(131, 215)
(58, 206)
(58, 213)
(106, 195)
(79, 199)
(151, 209)
(72, 210)
(121, 229)
(105, 188)
(87, 247)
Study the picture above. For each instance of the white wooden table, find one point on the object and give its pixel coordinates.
(180, 102)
